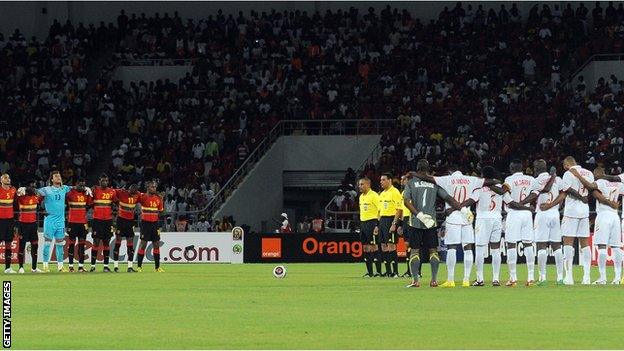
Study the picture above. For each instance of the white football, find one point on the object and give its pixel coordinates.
(279, 272)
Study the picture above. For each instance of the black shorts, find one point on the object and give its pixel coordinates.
(77, 230)
(7, 229)
(385, 236)
(150, 231)
(418, 238)
(125, 228)
(27, 231)
(103, 229)
(366, 232)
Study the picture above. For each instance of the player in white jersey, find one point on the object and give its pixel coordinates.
(607, 230)
(577, 182)
(488, 225)
(546, 191)
(459, 229)
(618, 255)
(519, 222)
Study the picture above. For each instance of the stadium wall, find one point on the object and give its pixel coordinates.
(32, 20)
(327, 152)
(597, 69)
(129, 74)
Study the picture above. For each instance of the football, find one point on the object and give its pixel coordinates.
(279, 272)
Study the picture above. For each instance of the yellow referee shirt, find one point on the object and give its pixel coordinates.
(390, 200)
(369, 206)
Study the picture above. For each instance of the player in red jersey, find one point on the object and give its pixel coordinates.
(27, 226)
(7, 217)
(128, 200)
(77, 201)
(151, 207)
(103, 199)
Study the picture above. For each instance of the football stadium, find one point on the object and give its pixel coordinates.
(312, 175)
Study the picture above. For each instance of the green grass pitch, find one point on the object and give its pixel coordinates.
(316, 306)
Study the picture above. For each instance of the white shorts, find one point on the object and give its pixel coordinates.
(575, 227)
(459, 234)
(607, 229)
(519, 227)
(547, 227)
(487, 230)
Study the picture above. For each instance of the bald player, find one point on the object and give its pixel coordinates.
(369, 224)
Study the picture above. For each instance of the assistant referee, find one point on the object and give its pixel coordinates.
(369, 224)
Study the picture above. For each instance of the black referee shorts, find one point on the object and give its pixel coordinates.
(422, 238)
(366, 232)
(385, 236)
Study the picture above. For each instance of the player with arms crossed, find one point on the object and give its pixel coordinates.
(577, 182)
(78, 200)
(391, 211)
(27, 226)
(420, 198)
(547, 192)
(128, 200)
(459, 229)
(369, 224)
(488, 225)
(151, 208)
(103, 198)
(7, 219)
(607, 229)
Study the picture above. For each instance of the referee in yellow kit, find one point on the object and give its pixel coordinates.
(369, 224)
(391, 212)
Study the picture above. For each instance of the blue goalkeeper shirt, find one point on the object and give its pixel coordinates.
(54, 202)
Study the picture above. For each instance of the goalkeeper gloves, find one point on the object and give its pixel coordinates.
(88, 191)
(21, 191)
(467, 215)
(426, 219)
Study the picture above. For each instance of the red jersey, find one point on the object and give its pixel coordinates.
(127, 203)
(7, 198)
(103, 203)
(28, 208)
(151, 206)
(78, 202)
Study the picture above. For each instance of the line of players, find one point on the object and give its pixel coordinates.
(522, 196)
(78, 199)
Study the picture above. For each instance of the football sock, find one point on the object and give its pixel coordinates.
(367, 261)
(34, 246)
(468, 259)
(377, 255)
(568, 257)
(130, 250)
(586, 261)
(559, 263)
(140, 255)
(70, 251)
(116, 250)
(496, 264)
(451, 259)
(414, 261)
(94, 253)
(106, 251)
(529, 254)
(394, 259)
(434, 260)
(479, 260)
(81, 252)
(20, 253)
(602, 264)
(47, 248)
(542, 257)
(617, 262)
(512, 260)
(409, 270)
(59, 254)
(7, 254)
(386, 261)
(156, 252)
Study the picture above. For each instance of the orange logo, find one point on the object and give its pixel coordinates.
(271, 247)
(311, 246)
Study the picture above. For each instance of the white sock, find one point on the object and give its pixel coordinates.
(559, 263)
(512, 259)
(617, 262)
(80, 265)
(542, 258)
(59, 265)
(451, 259)
(496, 264)
(529, 254)
(586, 261)
(129, 264)
(45, 264)
(568, 256)
(115, 264)
(468, 259)
(602, 264)
(480, 257)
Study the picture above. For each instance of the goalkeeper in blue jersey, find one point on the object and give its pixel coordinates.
(54, 222)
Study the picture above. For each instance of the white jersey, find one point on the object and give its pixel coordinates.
(520, 187)
(575, 208)
(611, 191)
(538, 185)
(489, 203)
(460, 187)
(622, 193)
